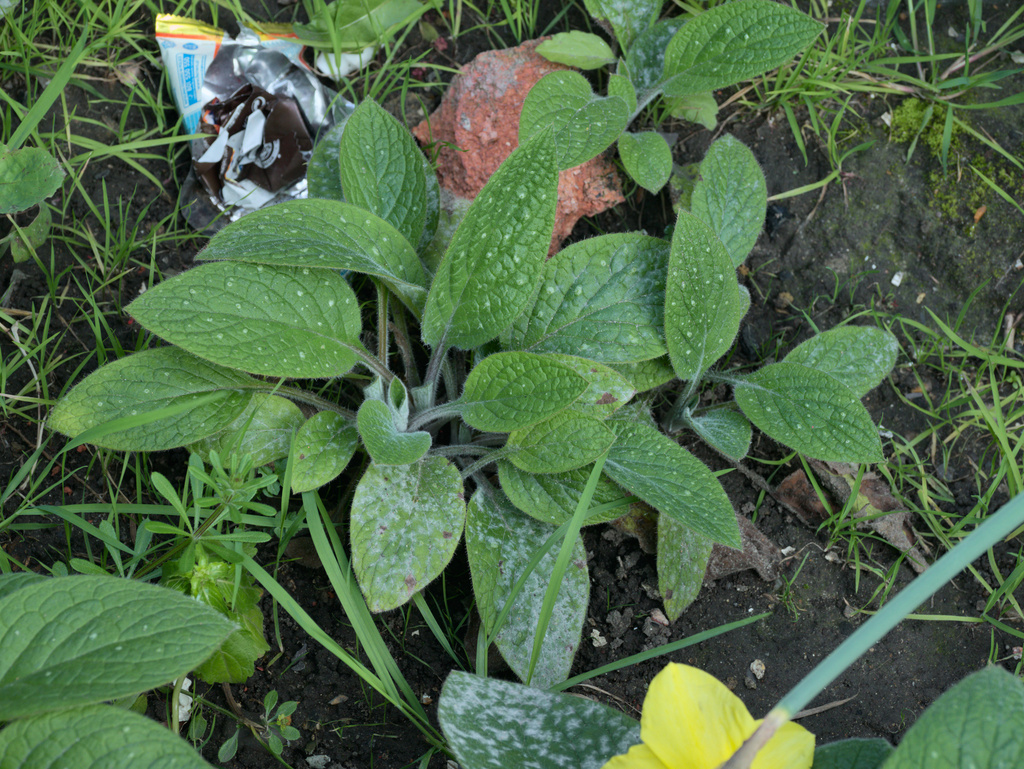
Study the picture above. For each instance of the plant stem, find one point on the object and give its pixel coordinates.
(440, 413)
(434, 369)
(304, 396)
(488, 458)
(382, 322)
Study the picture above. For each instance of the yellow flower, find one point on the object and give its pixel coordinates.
(692, 721)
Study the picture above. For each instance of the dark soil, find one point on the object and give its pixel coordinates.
(821, 259)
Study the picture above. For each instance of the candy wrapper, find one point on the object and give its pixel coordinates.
(261, 107)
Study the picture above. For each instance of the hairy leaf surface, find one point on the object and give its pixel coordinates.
(563, 442)
(647, 158)
(857, 753)
(264, 431)
(324, 446)
(859, 356)
(386, 444)
(683, 556)
(726, 431)
(552, 497)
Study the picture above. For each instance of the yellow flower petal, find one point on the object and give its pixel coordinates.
(638, 757)
(691, 720)
(792, 747)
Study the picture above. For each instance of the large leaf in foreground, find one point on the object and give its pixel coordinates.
(146, 382)
(406, 522)
(274, 321)
(602, 299)
(670, 479)
(490, 269)
(493, 724)
(95, 737)
(500, 541)
(78, 640)
(327, 235)
(859, 356)
(510, 390)
(733, 42)
(809, 411)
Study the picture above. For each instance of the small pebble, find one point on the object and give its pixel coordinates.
(757, 668)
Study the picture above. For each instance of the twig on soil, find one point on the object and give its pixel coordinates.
(821, 708)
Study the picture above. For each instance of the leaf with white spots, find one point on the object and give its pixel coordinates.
(671, 480)
(382, 169)
(647, 158)
(385, 443)
(810, 411)
(490, 270)
(645, 59)
(324, 446)
(602, 299)
(405, 524)
(71, 641)
(95, 737)
(607, 390)
(583, 124)
(323, 171)
(564, 442)
(291, 322)
(703, 301)
(645, 375)
(727, 431)
(323, 235)
(264, 431)
(620, 85)
(552, 497)
(733, 42)
(731, 196)
(148, 381)
(683, 556)
(500, 541)
(628, 18)
(510, 390)
(494, 724)
(859, 356)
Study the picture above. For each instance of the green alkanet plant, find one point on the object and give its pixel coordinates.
(531, 366)
(681, 61)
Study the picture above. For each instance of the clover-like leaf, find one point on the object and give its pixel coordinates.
(274, 321)
(810, 411)
(324, 446)
(582, 124)
(151, 381)
(405, 523)
(858, 356)
(510, 390)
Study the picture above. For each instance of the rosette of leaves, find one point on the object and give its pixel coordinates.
(531, 371)
(684, 62)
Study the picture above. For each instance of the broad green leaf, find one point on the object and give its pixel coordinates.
(213, 582)
(582, 50)
(386, 444)
(323, 234)
(382, 169)
(32, 236)
(353, 26)
(602, 299)
(563, 442)
(500, 541)
(494, 724)
(146, 382)
(489, 272)
(620, 85)
(324, 446)
(647, 374)
(274, 321)
(27, 177)
(628, 19)
(17, 580)
(733, 42)
(700, 108)
(264, 430)
(670, 479)
(683, 556)
(703, 302)
(731, 196)
(510, 390)
(725, 430)
(78, 640)
(857, 753)
(582, 124)
(978, 724)
(645, 59)
(552, 497)
(405, 524)
(809, 411)
(607, 390)
(95, 737)
(859, 356)
(647, 158)
(323, 171)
